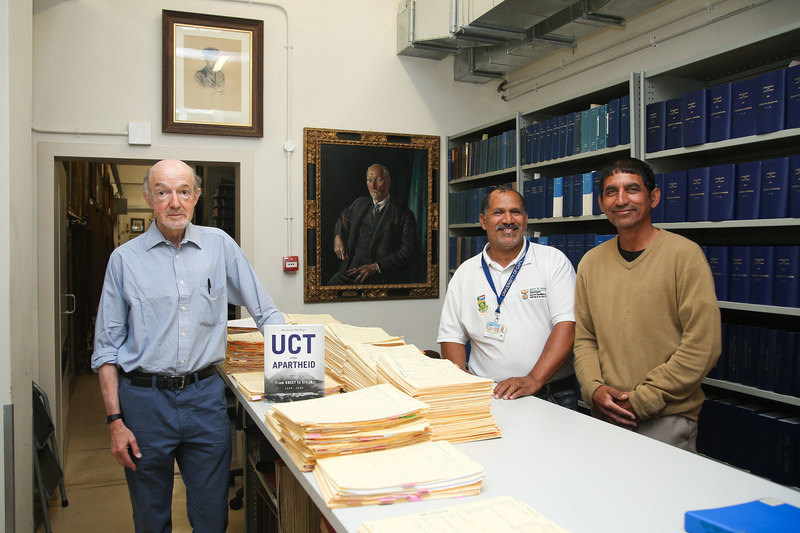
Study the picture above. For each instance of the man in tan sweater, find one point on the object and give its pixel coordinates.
(647, 318)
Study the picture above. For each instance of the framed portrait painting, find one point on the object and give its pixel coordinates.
(371, 215)
(212, 74)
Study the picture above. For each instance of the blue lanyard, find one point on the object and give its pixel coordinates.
(511, 278)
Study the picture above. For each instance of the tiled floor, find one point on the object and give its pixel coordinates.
(95, 482)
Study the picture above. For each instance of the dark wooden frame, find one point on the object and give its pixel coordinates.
(254, 126)
(334, 181)
(139, 223)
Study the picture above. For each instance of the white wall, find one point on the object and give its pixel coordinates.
(97, 67)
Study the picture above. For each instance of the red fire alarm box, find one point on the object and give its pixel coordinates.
(291, 263)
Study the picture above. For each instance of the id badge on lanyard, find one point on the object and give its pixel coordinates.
(495, 328)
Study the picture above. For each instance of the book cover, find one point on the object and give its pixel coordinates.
(787, 270)
(577, 140)
(596, 192)
(695, 117)
(588, 203)
(787, 467)
(698, 187)
(763, 463)
(786, 363)
(540, 196)
(602, 126)
(570, 140)
(587, 130)
(594, 120)
(562, 136)
(767, 351)
(558, 197)
(656, 126)
(674, 196)
(673, 136)
(555, 139)
(294, 362)
(577, 195)
(528, 197)
(549, 197)
(568, 192)
(718, 261)
(761, 516)
(743, 104)
(762, 259)
(612, 133)
(657, 213)
(794, 186)
(739, 274)
(743, 434)
(770, 113)
(774, 188)
(749, 355)
(719, 113)
(733, 348)
(722, 192)
(624, 119)
(748, 190)
(793, 97)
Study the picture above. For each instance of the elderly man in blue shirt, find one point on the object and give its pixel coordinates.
(160, 332)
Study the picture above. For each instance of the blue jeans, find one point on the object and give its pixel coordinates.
(190, 426)
(566, 398)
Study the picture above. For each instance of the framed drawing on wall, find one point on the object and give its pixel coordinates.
(212, 74)
(371, 215)
(137, 225)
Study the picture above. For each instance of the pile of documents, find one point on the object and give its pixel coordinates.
(296, 318)
(415, 472)
(360, 370)
(251, 384)
(503, 513)
(378, 417)
(460, 403)
(245, 350)
(339, 338)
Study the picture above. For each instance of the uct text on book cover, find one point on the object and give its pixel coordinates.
(294, 362)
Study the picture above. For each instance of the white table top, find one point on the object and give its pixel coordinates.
(584, 474)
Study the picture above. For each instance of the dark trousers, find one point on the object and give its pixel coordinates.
(190, 426)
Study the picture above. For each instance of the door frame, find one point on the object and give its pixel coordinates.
(47, 367)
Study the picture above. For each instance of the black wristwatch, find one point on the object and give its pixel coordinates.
(111, 418)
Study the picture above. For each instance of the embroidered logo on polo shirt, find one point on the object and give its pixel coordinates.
(524, 293)
(482, 307)
(538, 292)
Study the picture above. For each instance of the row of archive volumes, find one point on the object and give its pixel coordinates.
(573, 195)
(763, 275)
(464, 206)
(765, 358)
(573, 245)
(761, 104)
(489, 154)
(601, 126)
(742, 191)
(751, 435)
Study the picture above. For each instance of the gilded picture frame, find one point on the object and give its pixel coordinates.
(212, 74)
(401, 237)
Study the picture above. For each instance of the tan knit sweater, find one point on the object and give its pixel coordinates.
(650, 327)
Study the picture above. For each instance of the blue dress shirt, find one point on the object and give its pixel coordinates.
(164, 310)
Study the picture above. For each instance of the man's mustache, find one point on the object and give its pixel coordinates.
(501, 227)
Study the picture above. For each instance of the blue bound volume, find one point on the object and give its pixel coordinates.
(721, 198)
(570, 138)
(739, 274)
(794, 186)
(774, 188)
(748, 190)
(596, 192)
(762, 259)
(549, 185)
(673, 137)
(749, 356)
(767, 344)
(698, 185)
(734, 356)
(612, 135)
(656, 115)
(602, 126)
(694, 117)
(577, 195)
(675, 196)
(787, 270)
(577, 146)
(587, 130)
(719, 113)
(624, 119)
(770, 114)
(743, 104)
(718, 261)
(785, 350)
(567, 192)
(793, 97)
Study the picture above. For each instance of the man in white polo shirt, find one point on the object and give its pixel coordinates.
(514, 303)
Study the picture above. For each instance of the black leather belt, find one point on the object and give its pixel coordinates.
(142, 379)
(555, 387)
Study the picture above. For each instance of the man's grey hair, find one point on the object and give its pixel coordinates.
(198, 181)
(382, 167)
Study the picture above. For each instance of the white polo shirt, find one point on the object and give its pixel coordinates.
(541, 296)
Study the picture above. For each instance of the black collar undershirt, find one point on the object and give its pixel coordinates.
(626, 255)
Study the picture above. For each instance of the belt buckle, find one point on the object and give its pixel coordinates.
(176, 382)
